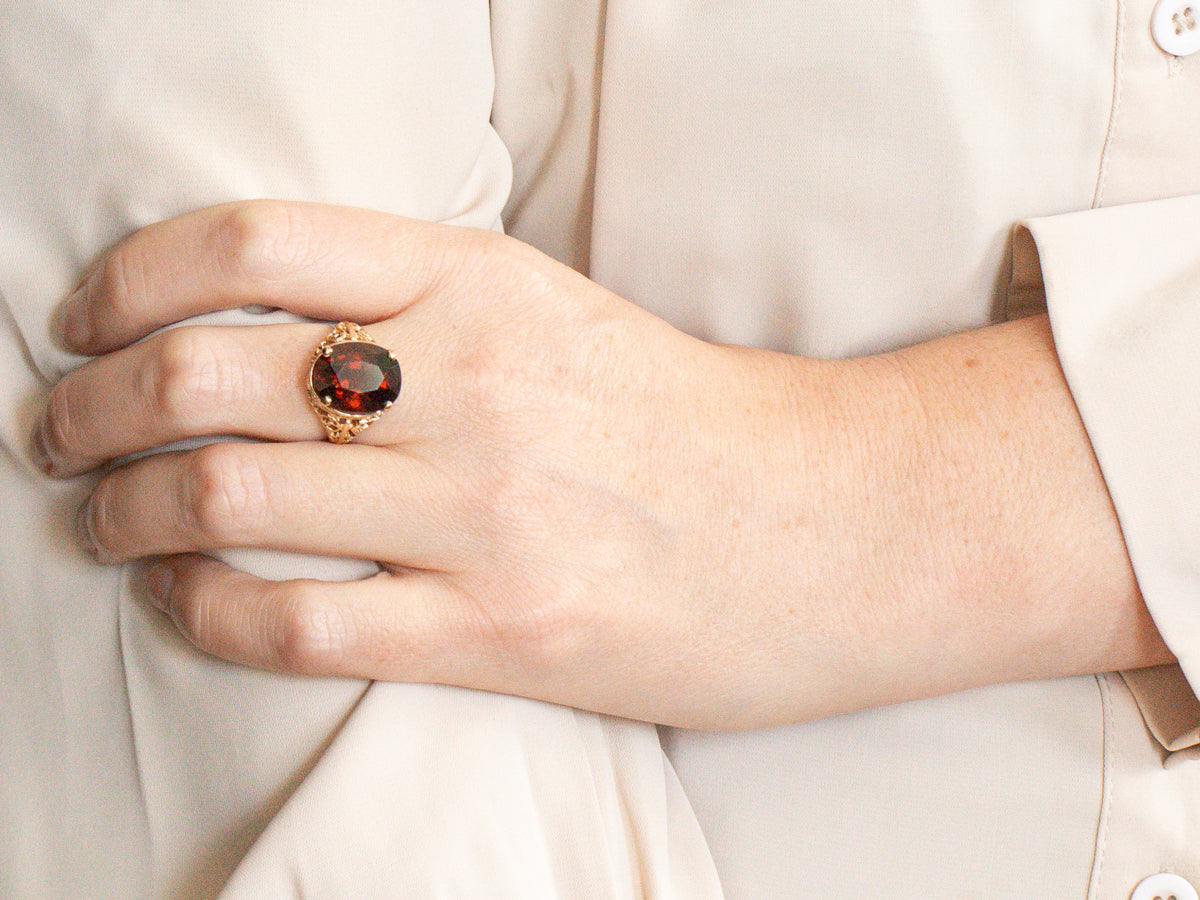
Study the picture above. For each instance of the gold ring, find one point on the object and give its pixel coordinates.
(352, 381)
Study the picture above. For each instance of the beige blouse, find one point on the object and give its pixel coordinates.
(817, 177)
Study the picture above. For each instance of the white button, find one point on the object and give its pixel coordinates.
(1164, 886)
(1176, 26)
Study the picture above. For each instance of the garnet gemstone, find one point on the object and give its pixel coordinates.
(356, 378)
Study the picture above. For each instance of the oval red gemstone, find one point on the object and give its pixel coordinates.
(356, 378)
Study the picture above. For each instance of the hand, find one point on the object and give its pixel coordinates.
(571, 500)
(551, 497)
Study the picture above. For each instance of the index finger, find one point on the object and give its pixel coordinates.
(324, 262)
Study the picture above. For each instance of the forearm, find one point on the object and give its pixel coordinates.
(955, 527)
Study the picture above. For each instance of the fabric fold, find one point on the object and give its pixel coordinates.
(433, 791)
(1123, 292)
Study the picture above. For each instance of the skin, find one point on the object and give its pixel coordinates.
(572, 500)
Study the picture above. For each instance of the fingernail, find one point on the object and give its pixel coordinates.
(40, 450)
(76, 328)
(83, 529)
(159, 580)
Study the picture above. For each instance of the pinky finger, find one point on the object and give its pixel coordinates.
(393, 627)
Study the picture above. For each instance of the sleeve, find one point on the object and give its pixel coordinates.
(1122, 287)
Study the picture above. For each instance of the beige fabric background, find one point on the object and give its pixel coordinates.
(813, 177)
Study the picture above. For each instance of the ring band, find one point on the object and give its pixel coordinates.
(352, 381)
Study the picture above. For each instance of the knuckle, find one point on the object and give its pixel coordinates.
(491, 386)
(507, 501)
(309, 632)
(260, 240)
(537, 636)
(100, 519)
(197, 616)
(508, 267)
(60, 425)
(186, 381)
(226, 494)
(508, 385)
(121, 280)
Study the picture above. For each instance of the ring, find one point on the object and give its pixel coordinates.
(352, 381)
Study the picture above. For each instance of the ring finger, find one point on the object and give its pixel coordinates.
(191, 382)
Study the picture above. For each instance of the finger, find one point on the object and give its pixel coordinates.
(196, 381)
(399, 627)
(363, 502)
(324, 262)
(183, 383)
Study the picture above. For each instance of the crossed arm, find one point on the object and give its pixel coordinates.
(575, 502)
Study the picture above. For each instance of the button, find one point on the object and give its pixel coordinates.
(1164, 886)
(1176, 26)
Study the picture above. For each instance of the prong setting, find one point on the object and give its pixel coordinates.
(351, 382)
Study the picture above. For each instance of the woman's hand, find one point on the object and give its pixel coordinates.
(570, 500)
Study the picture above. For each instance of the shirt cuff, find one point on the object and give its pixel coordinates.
(1122, 287)
(1168, 704)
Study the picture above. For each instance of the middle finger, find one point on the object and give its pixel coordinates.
(379, 503)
